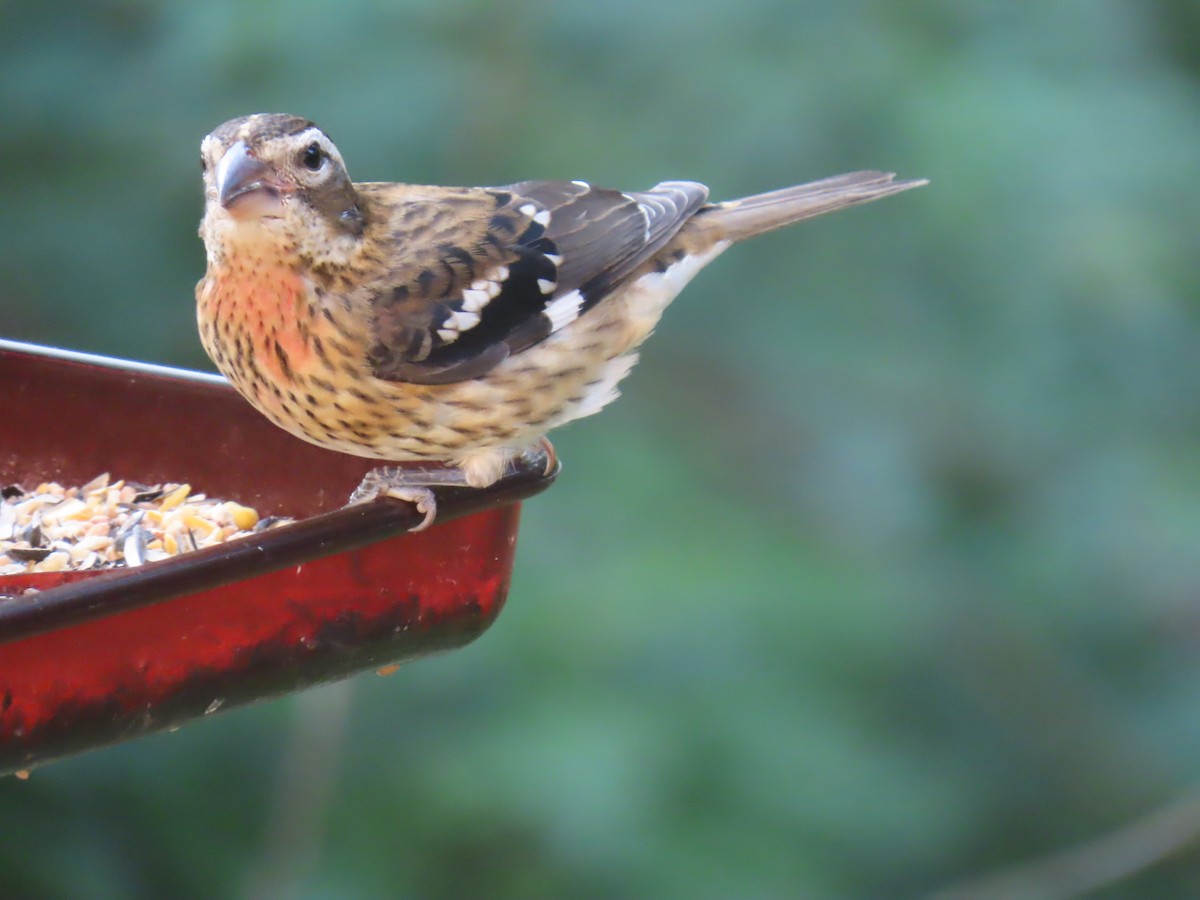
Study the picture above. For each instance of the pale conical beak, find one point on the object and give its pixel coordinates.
(244, 185)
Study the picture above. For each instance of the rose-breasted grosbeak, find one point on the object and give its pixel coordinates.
(452, 325)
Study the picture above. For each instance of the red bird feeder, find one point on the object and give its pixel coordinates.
(93, 657)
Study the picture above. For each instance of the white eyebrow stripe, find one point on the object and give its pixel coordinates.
(313, 133)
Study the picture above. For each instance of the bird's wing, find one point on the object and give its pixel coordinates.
(489, 272)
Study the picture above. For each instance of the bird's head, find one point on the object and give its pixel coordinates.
(273, 175)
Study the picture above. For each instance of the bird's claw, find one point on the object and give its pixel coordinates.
(389, 482)
(420, 497)
(545, 453)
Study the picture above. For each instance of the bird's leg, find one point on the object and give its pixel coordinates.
(414, 484)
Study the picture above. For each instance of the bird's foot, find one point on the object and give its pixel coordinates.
(412, 484)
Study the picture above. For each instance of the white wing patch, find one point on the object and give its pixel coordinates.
(540, 216)
(484, 290)
(563, 310)
(481, 292)
(463, 320)
(474, 299)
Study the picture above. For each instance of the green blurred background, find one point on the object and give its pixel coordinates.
(882, 576)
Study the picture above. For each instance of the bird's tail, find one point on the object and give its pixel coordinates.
(737, 220)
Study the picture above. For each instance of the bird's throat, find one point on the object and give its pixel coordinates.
(260, 315)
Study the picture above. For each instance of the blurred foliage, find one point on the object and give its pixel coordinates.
(883, 575)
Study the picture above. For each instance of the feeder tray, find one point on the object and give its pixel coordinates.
(94, 657)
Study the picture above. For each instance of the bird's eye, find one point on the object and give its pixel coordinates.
(203, 165)
(312, 157)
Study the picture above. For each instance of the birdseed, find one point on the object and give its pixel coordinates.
(106, 524)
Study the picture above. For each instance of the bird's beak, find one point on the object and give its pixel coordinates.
(244, 184)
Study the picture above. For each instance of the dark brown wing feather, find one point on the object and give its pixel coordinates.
(527, 245)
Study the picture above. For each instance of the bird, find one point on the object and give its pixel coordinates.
(447, 329)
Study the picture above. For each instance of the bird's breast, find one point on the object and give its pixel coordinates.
(260, 320)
